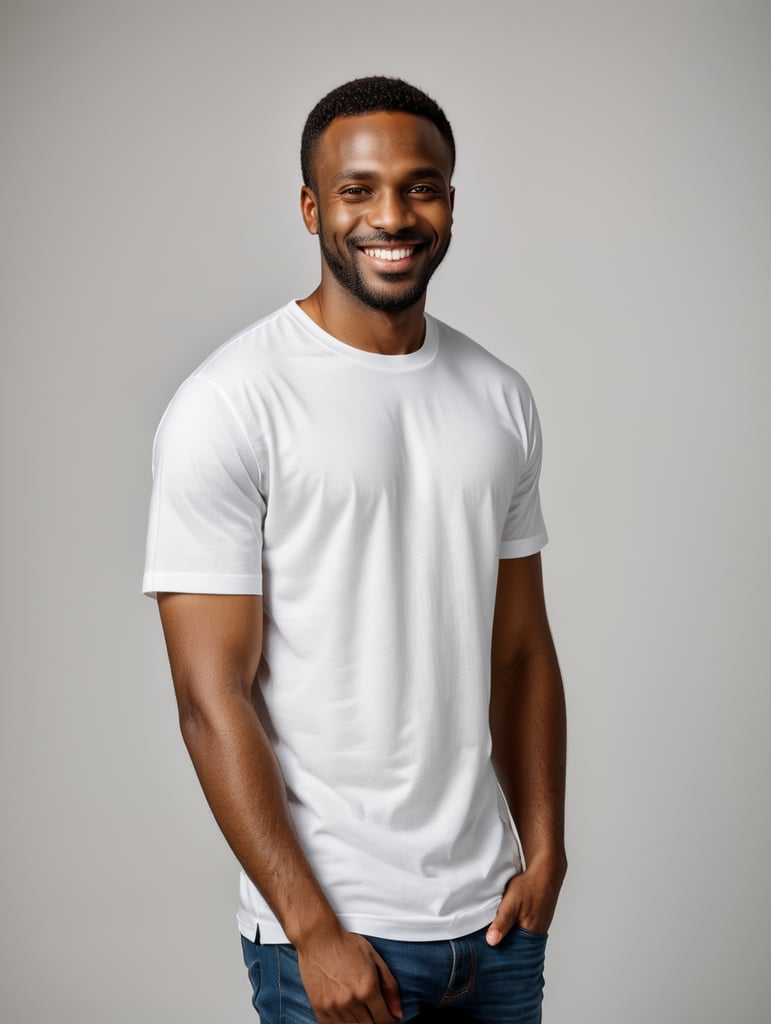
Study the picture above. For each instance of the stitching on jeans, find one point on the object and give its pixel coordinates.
(471, 978)
(452, 972)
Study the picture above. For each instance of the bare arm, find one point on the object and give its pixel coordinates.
(214, 644)
(527, 721)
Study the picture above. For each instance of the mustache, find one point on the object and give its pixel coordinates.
(384, 238)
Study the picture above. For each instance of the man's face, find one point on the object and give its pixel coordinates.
(381, 205)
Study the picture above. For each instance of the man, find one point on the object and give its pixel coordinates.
(345, 512)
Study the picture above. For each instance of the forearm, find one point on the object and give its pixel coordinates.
(527, 720)
(214, 644)
(242, 781)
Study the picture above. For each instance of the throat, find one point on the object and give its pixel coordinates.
(371, 330)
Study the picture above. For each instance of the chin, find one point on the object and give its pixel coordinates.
(389, 294)
(392, 304)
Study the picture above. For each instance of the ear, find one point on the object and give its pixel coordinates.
(452, 197)
(309, 209)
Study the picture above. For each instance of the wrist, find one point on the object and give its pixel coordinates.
(550, 861)
(315, 922)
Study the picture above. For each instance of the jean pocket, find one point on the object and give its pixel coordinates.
(540, 936)
(252, 954)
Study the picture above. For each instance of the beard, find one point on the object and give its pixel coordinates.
(388, 299)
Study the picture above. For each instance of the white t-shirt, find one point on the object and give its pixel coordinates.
(368, 498)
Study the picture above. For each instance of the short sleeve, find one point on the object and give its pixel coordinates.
(524, 532)
(207, 506)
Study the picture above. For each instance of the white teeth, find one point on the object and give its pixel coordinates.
(389, 254)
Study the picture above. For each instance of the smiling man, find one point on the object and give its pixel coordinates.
(386, 266)
(344, 540)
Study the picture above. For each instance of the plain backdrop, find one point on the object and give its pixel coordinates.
(612, 241)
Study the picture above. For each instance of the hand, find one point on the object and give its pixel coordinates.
(529, 900)
(346, 980)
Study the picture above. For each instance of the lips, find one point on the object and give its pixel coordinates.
(389, 254)
(394, 258)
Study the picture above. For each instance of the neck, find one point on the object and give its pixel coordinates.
(351, 321)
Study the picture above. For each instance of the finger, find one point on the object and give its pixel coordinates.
(371, 1007)
(350, 1012)
(390, 988)
(507, 916)
(374, 1011)
(357, 1014)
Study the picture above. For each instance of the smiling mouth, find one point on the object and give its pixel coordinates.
(391, 255)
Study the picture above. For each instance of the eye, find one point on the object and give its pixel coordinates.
(353, 191)
(423, 190)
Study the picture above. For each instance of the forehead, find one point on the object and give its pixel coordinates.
(391, 139)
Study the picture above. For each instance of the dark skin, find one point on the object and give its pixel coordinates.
(384, 175)
(399, 199)
(527, 723)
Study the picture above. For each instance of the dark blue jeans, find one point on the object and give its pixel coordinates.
(454, 980)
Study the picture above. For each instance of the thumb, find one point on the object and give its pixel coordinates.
(507, 916)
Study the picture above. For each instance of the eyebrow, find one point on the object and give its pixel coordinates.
(354, 174)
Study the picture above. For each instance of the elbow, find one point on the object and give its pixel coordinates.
(193, 719)
(205, 712)
(196, 710)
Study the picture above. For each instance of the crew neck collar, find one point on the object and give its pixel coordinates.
(375, 360)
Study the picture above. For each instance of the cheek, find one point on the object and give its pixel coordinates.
(443, 221)
(436, 219)
(336, 228)
(340, 217)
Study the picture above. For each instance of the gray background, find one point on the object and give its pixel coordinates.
(612, 241)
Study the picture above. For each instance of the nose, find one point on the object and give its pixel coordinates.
(391, 212)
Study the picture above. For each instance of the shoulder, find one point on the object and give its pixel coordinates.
(482, 367)
(252, 351)
(234, 372)
(217, 400)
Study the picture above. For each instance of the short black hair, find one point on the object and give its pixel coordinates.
(368, 96)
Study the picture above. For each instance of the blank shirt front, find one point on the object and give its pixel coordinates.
(368, 498)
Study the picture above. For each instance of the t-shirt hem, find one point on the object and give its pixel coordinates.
(522, 548)
(154, 583)
(271, 934)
